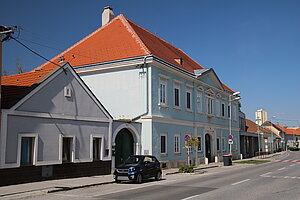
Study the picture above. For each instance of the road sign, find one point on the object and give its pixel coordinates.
(230, 137)
(187, 137)
(230, 141)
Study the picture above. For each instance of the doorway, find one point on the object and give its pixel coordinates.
(208, 147)
(124, 146)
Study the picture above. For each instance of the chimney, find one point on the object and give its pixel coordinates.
(107, 15)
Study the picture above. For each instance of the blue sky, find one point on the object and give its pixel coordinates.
(253, 45)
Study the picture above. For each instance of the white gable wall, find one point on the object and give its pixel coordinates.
(130, 88)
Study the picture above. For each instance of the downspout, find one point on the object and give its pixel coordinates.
(147, 87)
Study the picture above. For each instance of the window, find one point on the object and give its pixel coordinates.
(97, 149)
(223, 144)
(199, 102)
(176, 96)
(27, 148)
(67, 149)
(163, 143)
(229, 111)
(234, 114)
(223, 110)
(200, 143)
(162, 92)
(188, 97)
(218, 108)
(218, 144)
(177, 143)
(209, 105)
(188, 100)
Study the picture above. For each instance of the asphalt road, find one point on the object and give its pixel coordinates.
(274, 180)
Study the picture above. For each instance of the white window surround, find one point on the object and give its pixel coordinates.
(35, 147)
(162, 92)
(209, 105)
(199, 102)
(61, 136)
(102, 150)
(177, 143)
(166, 143)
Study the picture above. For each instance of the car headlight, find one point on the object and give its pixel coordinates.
(131, 169)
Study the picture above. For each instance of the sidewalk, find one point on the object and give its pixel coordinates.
(42, 187)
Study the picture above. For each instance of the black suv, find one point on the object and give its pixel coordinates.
(138, 167)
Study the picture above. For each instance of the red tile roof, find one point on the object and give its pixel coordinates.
(14, 87)
(253, 127)
(120, 39)
(292, 131)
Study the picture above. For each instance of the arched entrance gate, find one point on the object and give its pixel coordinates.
(124, 146)
(126, 141)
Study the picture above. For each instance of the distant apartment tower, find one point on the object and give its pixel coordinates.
(261, 116)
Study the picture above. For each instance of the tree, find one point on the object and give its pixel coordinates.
(20, 68)
(193, 142)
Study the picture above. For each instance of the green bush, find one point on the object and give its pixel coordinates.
(187, 169)
(293, 148)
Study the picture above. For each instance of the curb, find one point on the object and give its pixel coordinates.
(77, 187)
(196, 169)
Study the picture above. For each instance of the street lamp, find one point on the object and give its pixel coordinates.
(233, 97)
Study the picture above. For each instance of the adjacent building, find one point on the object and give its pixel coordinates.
(52, 126)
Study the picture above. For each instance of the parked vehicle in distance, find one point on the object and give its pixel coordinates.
(138, 168)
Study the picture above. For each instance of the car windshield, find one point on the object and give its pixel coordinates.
(133, 160)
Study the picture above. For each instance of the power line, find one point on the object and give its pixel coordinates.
(33, 51)
(53, 48)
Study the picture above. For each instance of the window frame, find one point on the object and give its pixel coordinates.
(218, 144)
(101, 149)
(200, 143)
(34, 150)
(210, 105)
(176, 87)
(199, 102)
(162, 92)
(72, 149)
(188, 99)
(223, 109)
(165, 144)
(223, 144)
(177, 145)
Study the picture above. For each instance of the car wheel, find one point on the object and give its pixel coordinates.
(158, 176)
(139, 179)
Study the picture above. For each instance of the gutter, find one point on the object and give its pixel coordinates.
(147, 87)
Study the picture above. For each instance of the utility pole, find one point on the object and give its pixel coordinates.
(4, 31)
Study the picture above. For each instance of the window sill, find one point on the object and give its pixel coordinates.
(163, 155)
(163, 105)
(189, 110)
(177, 108)
(210, 115)
(177, 153)
(200, 113)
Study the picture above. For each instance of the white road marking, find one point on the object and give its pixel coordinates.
(191, 197)
(292, 165)
(266, 174)
(240, 182)
(281, 169)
